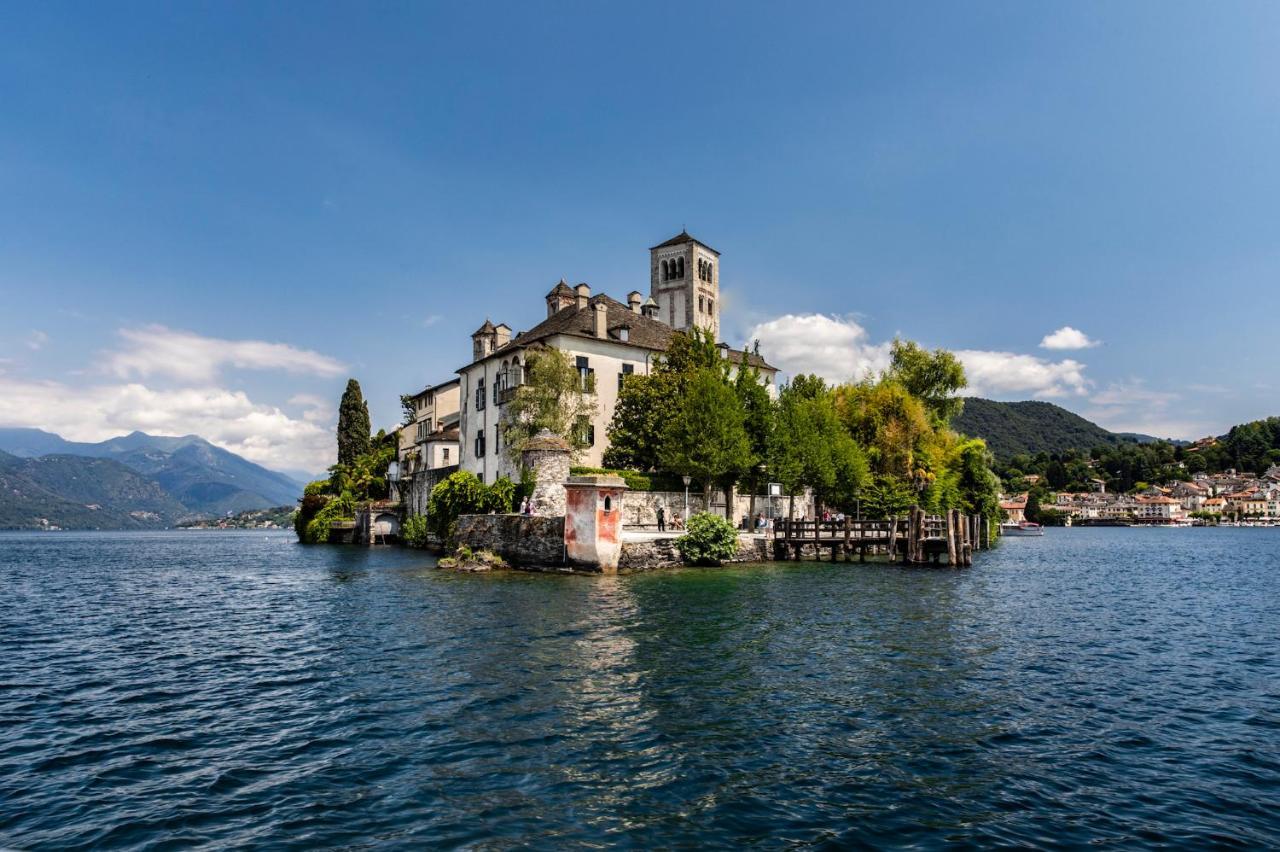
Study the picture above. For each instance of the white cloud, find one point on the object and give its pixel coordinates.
(1011, 374)
(226, 418)
(1068, 338)
(184, 355)
(431, 320)
(839, 349)
(836, 348)
(36, 340)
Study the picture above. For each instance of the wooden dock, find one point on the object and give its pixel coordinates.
(916, 539)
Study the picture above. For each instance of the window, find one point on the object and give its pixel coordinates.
(480, 394)
(701, 304)
(497, 439)
(586, 375)
(666, 271)
(679, 267)
(627, 370)
(711, 306)
(480, 445)
(424, 429)
(446, 455)
(586, 432)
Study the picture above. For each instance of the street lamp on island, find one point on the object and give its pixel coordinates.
(686, 499)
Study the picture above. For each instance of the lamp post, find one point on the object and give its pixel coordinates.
(686, 500)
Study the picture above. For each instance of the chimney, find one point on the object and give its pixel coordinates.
(584, 293)
(502, 335)
(600, 320)
(634, 298)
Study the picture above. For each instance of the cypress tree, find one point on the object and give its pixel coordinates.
(353, 424)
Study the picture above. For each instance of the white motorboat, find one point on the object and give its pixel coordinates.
(1021, 528)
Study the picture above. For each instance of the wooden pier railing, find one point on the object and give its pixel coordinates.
(916, 539)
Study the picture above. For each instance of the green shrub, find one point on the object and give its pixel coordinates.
(315, 489)
(342, 508)
(415, 532)
(708, 540)
(307, 509)
(462, 493)
(500, 496)
(634, 479)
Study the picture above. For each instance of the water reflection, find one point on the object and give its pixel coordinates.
(223, 690)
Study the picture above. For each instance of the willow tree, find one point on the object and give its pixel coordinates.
(934, 378)
(353, 425)
(554, 397)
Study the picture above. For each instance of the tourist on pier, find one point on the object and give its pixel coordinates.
(662, 518)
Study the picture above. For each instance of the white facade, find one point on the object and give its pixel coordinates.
(606, 360)
(430, 440)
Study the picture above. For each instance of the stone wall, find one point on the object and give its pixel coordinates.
(647, 555)
(415, 490)
(640, 511)
(523, 540)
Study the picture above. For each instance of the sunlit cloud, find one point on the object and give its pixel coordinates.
(159, 351)
(1068, 338)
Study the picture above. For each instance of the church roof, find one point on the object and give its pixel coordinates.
(643, 332)
(684, 237)
(487, 328)
(562, 287)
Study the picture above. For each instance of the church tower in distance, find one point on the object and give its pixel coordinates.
(684, 279)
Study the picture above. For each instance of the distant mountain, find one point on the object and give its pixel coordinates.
(203, 478)
(77, 492)
(1010, 428)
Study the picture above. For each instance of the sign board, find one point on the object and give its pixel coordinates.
(775, 489)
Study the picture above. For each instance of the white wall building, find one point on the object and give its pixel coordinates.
(605, 338)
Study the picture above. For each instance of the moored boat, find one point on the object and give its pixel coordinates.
(1021, 528)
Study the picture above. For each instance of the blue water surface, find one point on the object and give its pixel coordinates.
(1093, 687)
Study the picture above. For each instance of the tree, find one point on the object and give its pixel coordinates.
(932, 377)
(758, 418)
(890, 421)
(408, 409)
(1056, 475)
(353, 424)
(707, 439)
(645, 405)
(811, 448)
(553, 397)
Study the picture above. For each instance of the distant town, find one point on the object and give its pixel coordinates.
(1230, 497)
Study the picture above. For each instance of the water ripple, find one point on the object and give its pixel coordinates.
(169, 690)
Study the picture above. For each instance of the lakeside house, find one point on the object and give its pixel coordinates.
(431, 439)
(605, 338)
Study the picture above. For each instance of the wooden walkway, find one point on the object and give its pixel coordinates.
(915, 539)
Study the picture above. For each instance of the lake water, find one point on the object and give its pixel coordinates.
(1095, 686)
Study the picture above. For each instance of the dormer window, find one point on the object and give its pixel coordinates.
(624, 333)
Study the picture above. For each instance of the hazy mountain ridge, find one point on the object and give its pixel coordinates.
(191, 476)
(80, 492)
(1034, 426)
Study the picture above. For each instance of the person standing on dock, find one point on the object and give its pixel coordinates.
(662, 518)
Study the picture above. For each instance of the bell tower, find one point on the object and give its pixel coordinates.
(684, 279)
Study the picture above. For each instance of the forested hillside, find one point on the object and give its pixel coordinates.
(1027, 428)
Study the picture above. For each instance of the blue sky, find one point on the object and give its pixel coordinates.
(212, 214)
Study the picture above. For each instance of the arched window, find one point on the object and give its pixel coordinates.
(608, 503)
(708, 271)
(680, 267)
(666, 273)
